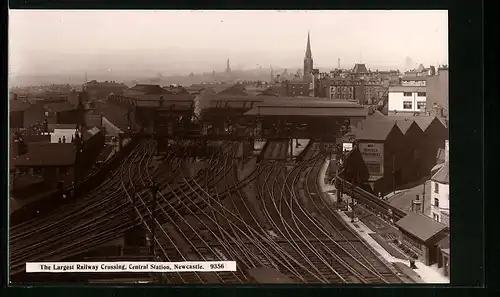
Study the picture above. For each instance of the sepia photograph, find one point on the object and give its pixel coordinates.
(228, 147)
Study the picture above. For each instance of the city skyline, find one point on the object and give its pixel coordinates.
(115, 41)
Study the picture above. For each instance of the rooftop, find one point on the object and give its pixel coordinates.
(442, 175)
(47, 154)
(316, 111)
(18, 105)
(414, 78)
(420, 226)
(360, 68)
(407, 89)
(375, 131)
(60, 106)
(149, 89)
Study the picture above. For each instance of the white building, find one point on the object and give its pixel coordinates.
(407, 99)
(440, 194)
(63, 132)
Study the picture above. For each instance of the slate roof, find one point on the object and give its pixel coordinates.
(47, 154)
(422, 121)
(60, 106)
(420, 226)
(375, 131)
(442, 175)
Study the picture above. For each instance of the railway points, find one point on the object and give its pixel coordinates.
(251, 205)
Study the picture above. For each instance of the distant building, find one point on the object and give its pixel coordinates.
(437, 92)
(17, 111)
(341, 89)
(144, 89)
(298, 88)
(359, 70)
(407, 99)
(440, 183)
(100, 90)
(64, 113)
(413, 81)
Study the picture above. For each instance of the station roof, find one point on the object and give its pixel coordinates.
(420, 226)
(304, 110)
(47, 154)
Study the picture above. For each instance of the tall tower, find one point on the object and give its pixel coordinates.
(228, 69)
(272, 75)
(308, 60)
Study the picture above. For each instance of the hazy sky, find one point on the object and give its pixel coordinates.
(202, 40)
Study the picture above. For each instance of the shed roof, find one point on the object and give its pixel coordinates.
(442, 175)
(47, 154)
(376, 131)
(420, 226)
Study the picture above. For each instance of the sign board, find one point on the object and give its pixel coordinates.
(372, 152)
(373, 155)
(346, 146)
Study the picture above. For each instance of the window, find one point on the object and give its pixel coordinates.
(436, 188)
(407, 105)
(421, 105)
(436, 202)
(421, 94)
(435, 217)
(407, 94)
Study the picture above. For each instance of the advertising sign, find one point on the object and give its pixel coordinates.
(373, 155)
(346, 147)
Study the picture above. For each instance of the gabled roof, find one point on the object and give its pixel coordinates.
(234, 90)
(405, 125)
(375, 130)
(47, 154)
(420, 226)
(442, 175)
(60, 106)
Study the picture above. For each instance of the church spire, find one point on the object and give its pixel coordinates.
(308, 48)
(308, 60)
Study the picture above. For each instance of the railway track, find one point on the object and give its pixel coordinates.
(212, 215)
